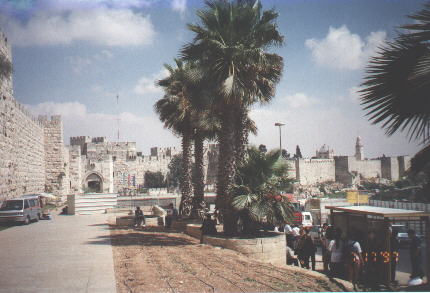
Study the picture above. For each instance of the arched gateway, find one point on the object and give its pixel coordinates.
(94, 183)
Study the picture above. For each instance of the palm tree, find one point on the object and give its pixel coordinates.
(207, 126)
(395, 93)
(260, 182)
(231, 45)
(175, 110)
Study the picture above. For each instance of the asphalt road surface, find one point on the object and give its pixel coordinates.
(56, 256)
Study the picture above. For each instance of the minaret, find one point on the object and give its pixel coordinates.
(359, 155)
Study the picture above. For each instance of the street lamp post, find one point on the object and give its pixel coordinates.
(280, 137)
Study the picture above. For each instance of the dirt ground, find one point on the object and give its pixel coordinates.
(157, 260)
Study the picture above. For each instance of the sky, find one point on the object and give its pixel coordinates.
(73, 57)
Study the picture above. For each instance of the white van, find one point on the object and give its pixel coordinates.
(307, 219)
(24, 210)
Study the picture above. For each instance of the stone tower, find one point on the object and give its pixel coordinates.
(359, 155)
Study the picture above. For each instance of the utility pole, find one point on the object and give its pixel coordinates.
(280, 137)
(117, 119)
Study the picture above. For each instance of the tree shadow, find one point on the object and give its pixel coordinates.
(136, 238)
(4, 226)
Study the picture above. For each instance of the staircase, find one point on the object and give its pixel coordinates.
(94, 203)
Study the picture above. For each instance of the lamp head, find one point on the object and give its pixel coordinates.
(279, 124)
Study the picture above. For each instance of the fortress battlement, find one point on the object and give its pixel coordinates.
(316, 161)
(21, 108)
(45, 121)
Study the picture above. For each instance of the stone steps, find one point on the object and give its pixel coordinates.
(88, 204)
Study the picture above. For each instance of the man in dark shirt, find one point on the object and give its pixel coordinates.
(139, 218)
(208, 227)
(415, 251)
(394, 253)
(172, 215)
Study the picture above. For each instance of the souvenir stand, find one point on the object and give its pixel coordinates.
(362, 219)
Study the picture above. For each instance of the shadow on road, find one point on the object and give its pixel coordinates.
(5, 226)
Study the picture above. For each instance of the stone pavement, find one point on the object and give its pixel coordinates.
(57, 256)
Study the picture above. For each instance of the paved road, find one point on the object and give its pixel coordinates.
(57, 256)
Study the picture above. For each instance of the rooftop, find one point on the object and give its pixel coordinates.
(378, 211)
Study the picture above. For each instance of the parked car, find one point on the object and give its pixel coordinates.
(402, 234)
(23, 210)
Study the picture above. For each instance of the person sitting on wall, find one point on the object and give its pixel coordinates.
(208, 227)
(139, 218)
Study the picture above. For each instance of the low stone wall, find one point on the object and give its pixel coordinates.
(125, 221)
(269, 249)
(129, 220)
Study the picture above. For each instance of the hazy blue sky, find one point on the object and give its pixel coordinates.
(72, 57)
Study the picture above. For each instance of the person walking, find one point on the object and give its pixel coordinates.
(353, 258)
(309, 249)
(326, 237)
(336, 248)
(139, 218)
(415, 251)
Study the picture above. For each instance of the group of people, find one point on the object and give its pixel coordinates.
(139, 217)
(300, 248)
(356, 256)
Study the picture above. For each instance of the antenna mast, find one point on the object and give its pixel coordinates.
(117, 119)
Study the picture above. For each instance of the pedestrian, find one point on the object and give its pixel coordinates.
(301, 252)
(326, 237)
(394, 253)
(208, 227)
(172, 215)
(309, 249)
(291, 257)
(336, 254)
(415, 251)
(289, 237)
(353, 258)
(295, 236)
(139, 218)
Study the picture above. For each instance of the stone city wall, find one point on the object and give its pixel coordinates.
(57, 179)
(366, 168)
(311, 171)
(22, 153)
(22, 157)
(390, 168)
(75, 169)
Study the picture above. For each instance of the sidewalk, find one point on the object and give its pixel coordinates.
(57, 256)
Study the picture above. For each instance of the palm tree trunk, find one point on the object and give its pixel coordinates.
(241, 136)
(199, 176)
(185, 183)
(226, 171)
